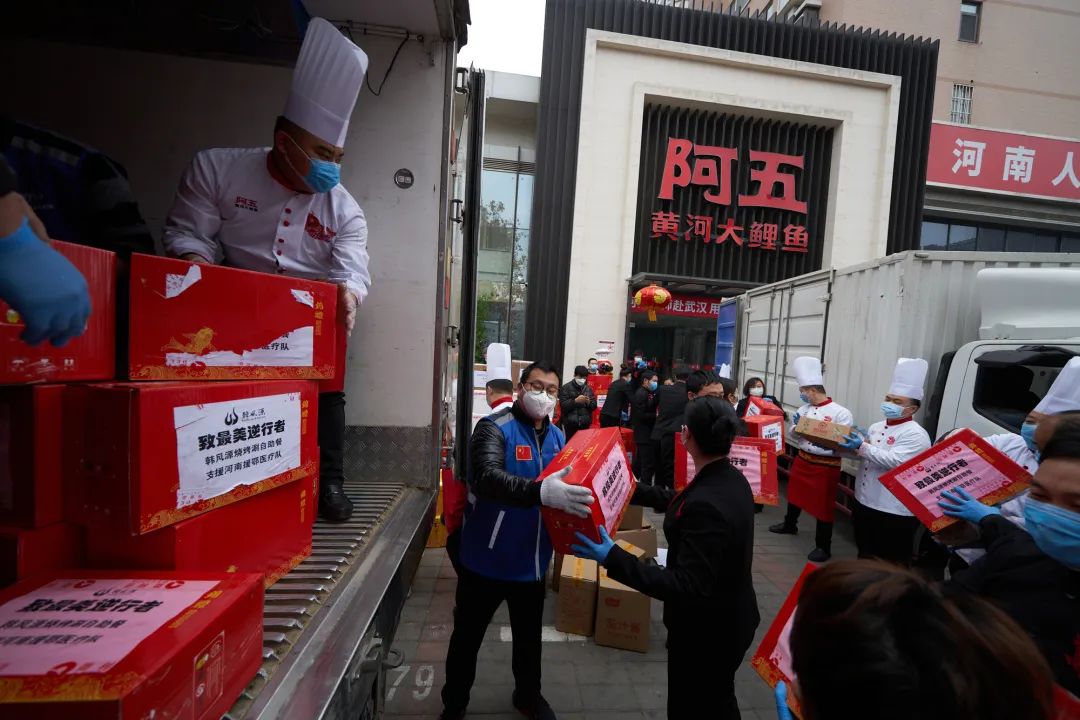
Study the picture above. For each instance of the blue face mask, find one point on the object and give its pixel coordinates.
(1055, 530)
(891, 411)
(652, 386)
(594, 367)
(322, 175)
(803, 396)
(1027, 431)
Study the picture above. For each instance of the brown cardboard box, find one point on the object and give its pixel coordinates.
(622, 614)
(821, 433)
(575, 609)
(633, 518)
(644, 538)
(556, 571)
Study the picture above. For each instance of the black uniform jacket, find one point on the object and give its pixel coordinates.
(643, 416)
(618, 399)
(671, 413)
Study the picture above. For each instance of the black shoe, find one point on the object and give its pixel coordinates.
(758, 507)
(334, 506)
(784, 529)
(452, 715)
(538, 709)
(817, 555)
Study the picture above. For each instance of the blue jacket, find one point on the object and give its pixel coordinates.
(504, 537)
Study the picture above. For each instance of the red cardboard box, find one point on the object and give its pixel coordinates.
(26, 553)
(766, 427)
(772, 661)
(600, 464)
(753, 457)
(151, 645)
(269, 534)
(599, 385)
(759, 406)
(193, 321)
(152, 454)
(92, 355)
(627, 437)
(963, 460)
(31, 426)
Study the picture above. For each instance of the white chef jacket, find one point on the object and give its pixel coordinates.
(830, 411)
(887, 447)
(229, 209)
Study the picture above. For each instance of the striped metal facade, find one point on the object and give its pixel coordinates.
(566, 22)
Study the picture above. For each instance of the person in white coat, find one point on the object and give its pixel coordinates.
(884, 528)
(815, 472)
(282, 210)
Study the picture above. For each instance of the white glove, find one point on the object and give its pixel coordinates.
(574, 499)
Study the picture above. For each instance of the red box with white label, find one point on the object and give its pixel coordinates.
(599, 385)
(146, 644)
(31, 427)
(142, 456)
(92, 355)
(600, 464)
(963, 460)
(766, 427)
(192, 321)
(269, 534)
(772, 661)
(28, 552)
(760, 406)
(753, 457)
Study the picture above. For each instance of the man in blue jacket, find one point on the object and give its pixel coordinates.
(505, 549)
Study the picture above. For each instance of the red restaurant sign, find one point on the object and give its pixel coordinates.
(687, 306)
(1004, 162)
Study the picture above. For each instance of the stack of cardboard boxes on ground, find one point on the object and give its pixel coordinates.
(184, 490)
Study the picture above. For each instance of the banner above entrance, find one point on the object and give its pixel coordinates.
(686, 306)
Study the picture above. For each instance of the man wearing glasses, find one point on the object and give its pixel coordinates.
(505, 549)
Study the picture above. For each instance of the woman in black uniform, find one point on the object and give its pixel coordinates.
(710, 609)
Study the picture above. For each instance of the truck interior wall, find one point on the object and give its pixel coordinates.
(152, 112)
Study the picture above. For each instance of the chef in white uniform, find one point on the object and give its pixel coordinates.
(884, 528)
(282, 210)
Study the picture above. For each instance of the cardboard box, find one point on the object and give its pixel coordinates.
(754, 457)
(766, 427)
(152, 644)
(963, 460)
(28, 552)
(194, 321)
(268, 534)
(31, 427)
(633, 518)
(623, 615)
(644, 538)
(823, 434)
(600, 464)
(92, 355)
(772, 661)
(152, 454)
(760, 406)
(575, 609)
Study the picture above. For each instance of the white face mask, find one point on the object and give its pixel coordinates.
(757, 392)
(537, 405)
(580, 382)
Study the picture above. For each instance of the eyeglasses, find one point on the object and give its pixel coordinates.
(537, 386)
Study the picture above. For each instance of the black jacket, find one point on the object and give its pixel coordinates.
(574, 414)
(618, 399)
(643, 415)
(740, 409)
(706, 588)
(1039, 593)
(671, 414)
(487, 457)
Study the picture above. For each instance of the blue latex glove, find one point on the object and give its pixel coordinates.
(795, 419)
(959, 504)
(783, 712)
(40, 284)
(594, 551)
(852, 442)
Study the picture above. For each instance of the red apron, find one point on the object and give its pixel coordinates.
(812, 487)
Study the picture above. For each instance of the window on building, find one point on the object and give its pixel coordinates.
(941, 234)
(970, 15)
(935, 236)
(962, 237)
(770, 11)
(961, 104)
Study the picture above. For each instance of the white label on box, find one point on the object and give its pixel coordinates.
(774, 432)
(78, 626)
(176, 284)
(220, 446)
(293, 349)
(612, 487)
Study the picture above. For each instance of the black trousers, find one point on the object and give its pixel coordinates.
(570, 430)
(665, 461)
(701, 679)
(476, 601)
(331, 439)
(607, 421)
(644, 464)
(822, 533)
(453, 548)
(884, 535)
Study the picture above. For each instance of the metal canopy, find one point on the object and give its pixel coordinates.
(710, 287)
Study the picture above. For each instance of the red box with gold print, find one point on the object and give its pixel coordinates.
(600, 464)
(194, 321)
(142, 456)
(92, 355)
(28, 552)
(269, 534)
(31, 427)
(148, 644)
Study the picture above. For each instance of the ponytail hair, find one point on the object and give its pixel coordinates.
(712, 423)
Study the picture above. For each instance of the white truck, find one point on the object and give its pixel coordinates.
(995, 328)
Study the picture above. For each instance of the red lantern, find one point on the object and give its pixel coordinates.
(652, 298)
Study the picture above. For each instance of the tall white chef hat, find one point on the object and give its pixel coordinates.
(807, 371)
(909, 377)
(326, 82)
(1064, 394)
(498, 362)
